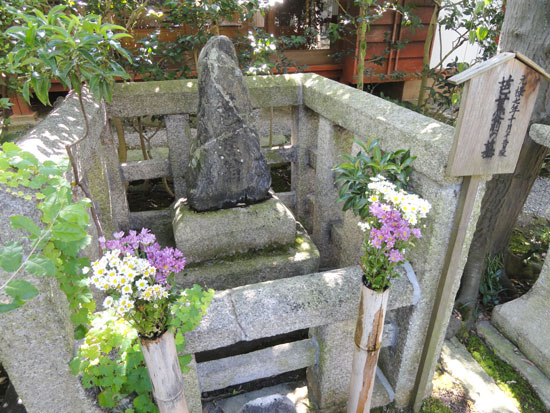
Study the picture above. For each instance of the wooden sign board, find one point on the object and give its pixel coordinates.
(496, 106)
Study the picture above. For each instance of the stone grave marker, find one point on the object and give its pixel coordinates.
(226, 165)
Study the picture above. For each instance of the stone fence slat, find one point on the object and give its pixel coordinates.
(268, 362)
(149, 169)
(251, 312)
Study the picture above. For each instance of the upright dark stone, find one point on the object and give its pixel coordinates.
(226, 165)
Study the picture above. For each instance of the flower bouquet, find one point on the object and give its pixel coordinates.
(138, 277)
(391, 226)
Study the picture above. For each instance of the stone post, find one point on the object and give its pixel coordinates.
(328, 379)
(192, 387)
(331, 142)
(303, 137)
(116, 187)
(36, 340)
(178, 134)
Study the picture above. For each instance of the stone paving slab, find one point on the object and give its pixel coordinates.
(508, 352)
(297, 392)
(481, 388)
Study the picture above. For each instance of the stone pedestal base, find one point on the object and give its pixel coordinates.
(203, 236)
(301, 257)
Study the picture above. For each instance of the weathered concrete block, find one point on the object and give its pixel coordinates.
(207, 235)
(181, 96)
(304, 138)
(254, 267)
(480, 387)
(521, 319)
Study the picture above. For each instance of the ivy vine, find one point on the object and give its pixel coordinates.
(56, 240)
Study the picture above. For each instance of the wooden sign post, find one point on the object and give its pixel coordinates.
(496, 106)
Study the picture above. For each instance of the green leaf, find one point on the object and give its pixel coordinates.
(22, 222)
(4, 308)
(10, 149)
(481, 33)
(80, 333)
(106, 398)
(10, 256)
(74, 366)
(76, 214)
(26, 92)
(40, 265)
(68, 232)
(21, 290)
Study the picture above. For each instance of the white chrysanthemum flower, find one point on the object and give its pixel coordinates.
(126, 289)
(142, 284)
(364, 226)
(96, 280)
(374, 198)
(108, 302)
(147, 295)
(124, 300)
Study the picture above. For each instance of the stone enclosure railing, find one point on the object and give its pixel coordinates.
(326, 116)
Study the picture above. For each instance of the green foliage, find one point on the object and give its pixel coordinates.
(355, 174)
(508, 379)
(110, 357)
(532, 242)
(476, 22)
(490, 286)
(433, 405)
(67, 47)
(262, 53)
(55, 241)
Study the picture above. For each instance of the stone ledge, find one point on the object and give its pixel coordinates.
(255, 266)
(396, 127)
(251, 312)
